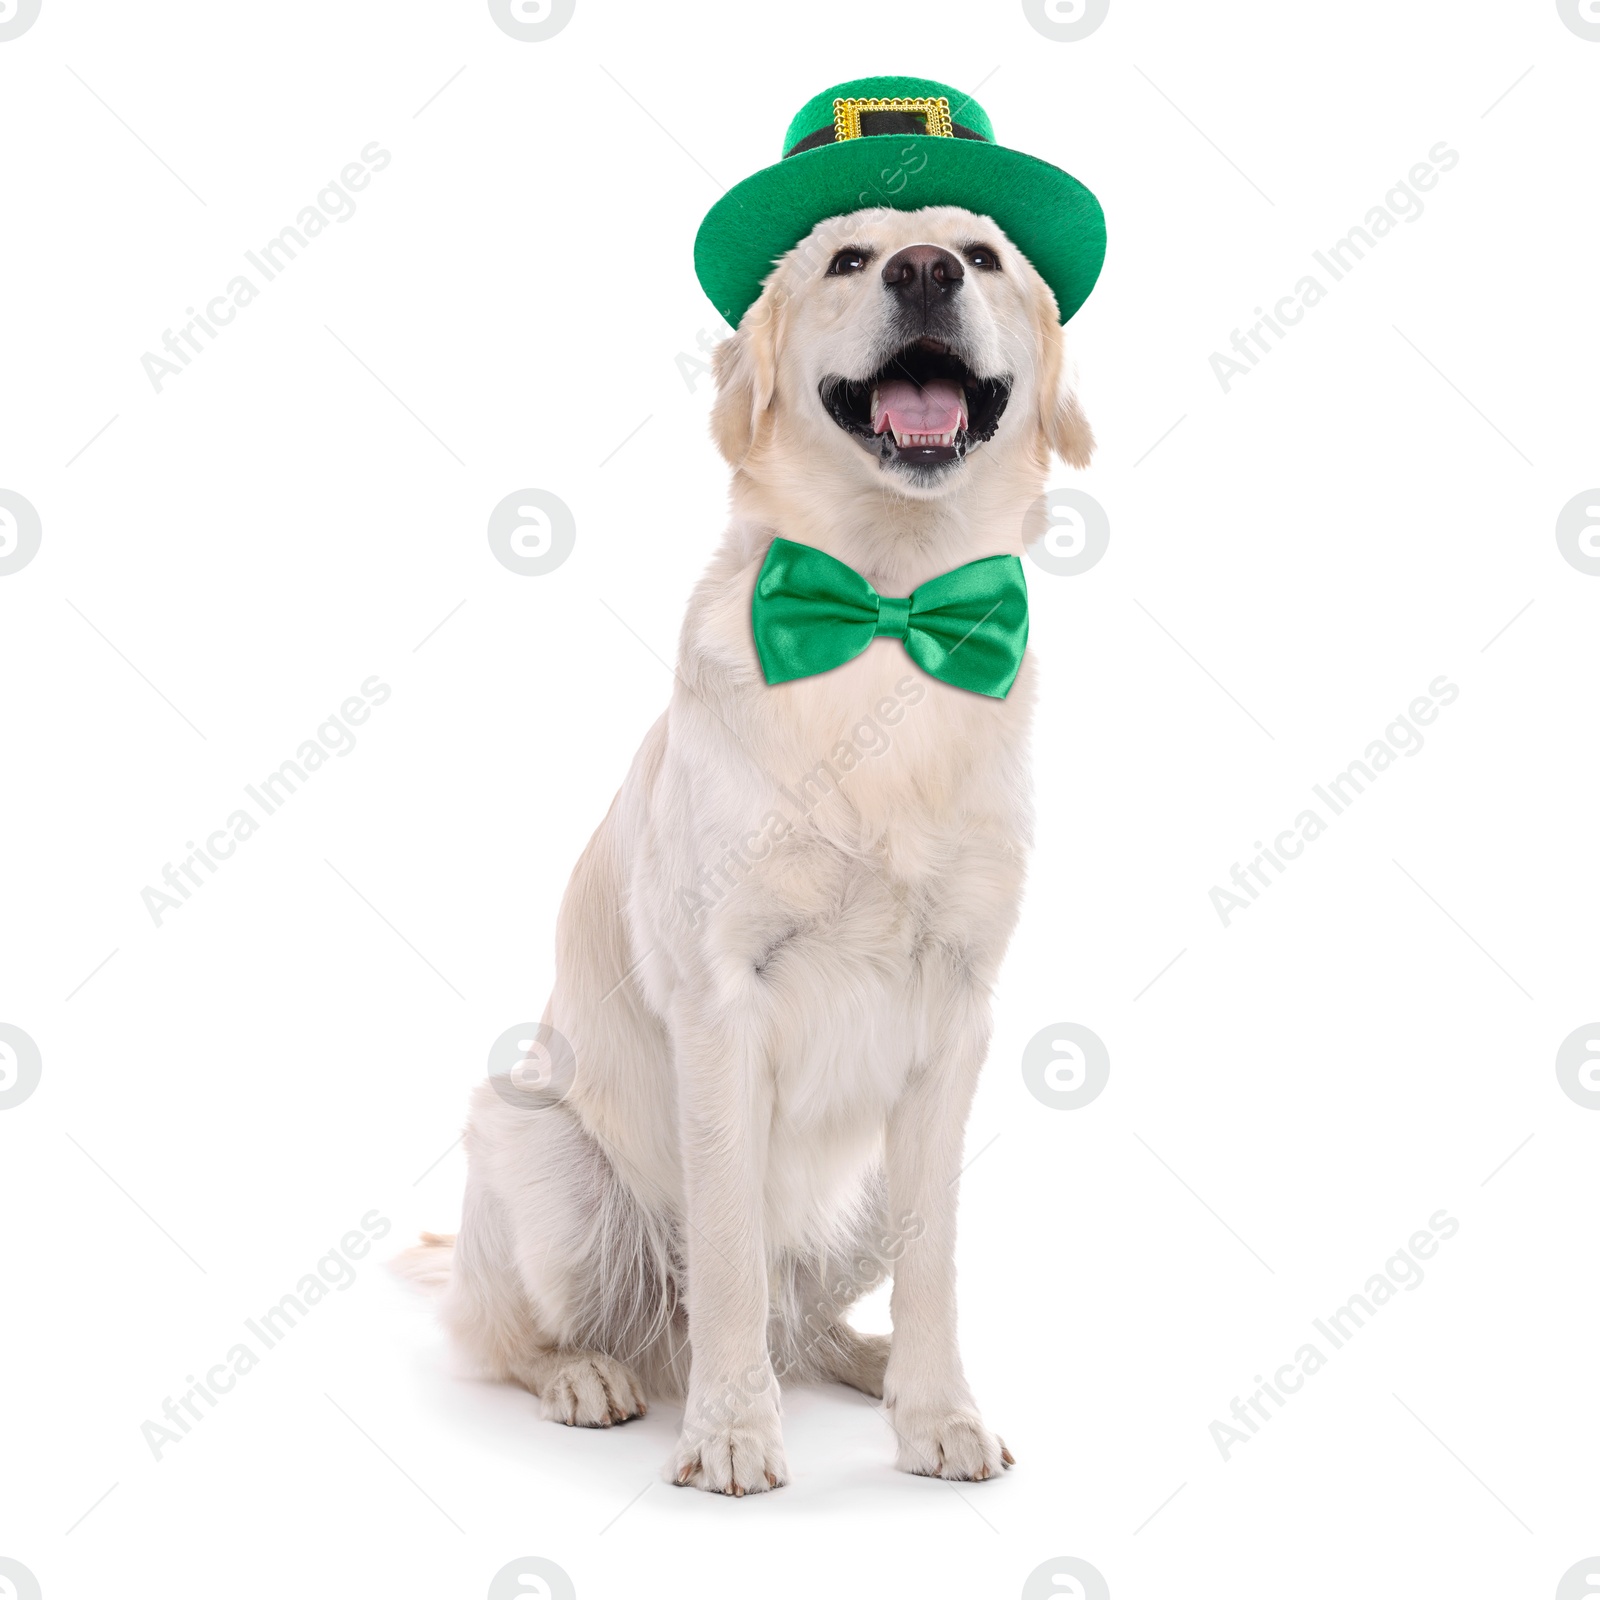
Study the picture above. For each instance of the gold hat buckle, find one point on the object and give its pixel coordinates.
(935, 112)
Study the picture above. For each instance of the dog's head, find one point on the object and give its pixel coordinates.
(904, 348)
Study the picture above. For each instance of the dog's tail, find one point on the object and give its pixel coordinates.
(427, 1265)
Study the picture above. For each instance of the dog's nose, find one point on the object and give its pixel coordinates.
(923, 274)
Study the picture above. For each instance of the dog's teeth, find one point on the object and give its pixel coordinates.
(946, 439)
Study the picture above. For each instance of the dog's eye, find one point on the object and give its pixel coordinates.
(848, 261)
(983, 258)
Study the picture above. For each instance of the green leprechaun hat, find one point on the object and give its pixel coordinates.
(906, 143)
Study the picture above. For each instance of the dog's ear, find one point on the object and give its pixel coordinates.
(1062, 424)
(746, 371)
(1068, 430)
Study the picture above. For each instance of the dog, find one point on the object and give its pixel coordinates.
(747, 1098)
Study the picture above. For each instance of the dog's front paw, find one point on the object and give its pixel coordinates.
(948, 1444)
(739, 1457)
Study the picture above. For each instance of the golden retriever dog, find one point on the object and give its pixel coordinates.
(746, 1102)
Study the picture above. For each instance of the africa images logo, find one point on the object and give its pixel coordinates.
(335, 737)
(1403, 1270)
(335, 202)
(1403, 737)
(1403, 203)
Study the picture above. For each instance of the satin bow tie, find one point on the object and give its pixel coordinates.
(968, 627)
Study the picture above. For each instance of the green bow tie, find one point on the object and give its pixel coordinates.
(968, 627)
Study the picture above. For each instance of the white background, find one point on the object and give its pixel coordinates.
(1289, 567)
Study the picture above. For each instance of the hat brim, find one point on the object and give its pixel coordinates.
(1051, 217)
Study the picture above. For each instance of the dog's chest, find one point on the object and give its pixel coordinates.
(865, 976)
(852, 896)
(904, 754)
(892, 880)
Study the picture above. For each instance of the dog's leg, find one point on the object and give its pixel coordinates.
(926, 1396)
(817, 1345)
(852, 1358)
(552, 1283)
(732, 1440)
(494, 1318)
(811, 1340)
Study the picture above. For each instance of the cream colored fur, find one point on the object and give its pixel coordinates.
(779, 1006)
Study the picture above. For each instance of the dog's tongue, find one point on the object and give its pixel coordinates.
(937, 407)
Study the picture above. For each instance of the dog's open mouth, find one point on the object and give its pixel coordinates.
(923, 408)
